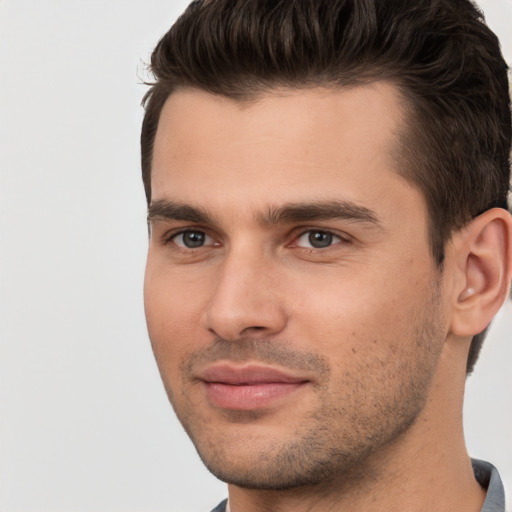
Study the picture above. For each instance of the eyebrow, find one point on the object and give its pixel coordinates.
(287, 214)
(322, 210)
(170, 210)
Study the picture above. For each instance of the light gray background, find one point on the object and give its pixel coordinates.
(84, 421)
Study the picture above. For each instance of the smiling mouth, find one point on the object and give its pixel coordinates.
(248, 387)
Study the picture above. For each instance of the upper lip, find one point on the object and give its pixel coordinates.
(247, 374)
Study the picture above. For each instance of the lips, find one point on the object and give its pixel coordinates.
(248, 387)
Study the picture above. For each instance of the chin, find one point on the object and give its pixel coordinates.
(309, 460)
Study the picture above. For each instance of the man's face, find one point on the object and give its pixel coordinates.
(293, 306)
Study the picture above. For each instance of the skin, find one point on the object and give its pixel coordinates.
(364, 319)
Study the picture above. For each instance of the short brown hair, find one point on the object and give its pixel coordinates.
(445, 60)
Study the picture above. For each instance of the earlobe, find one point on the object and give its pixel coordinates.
(484, 254)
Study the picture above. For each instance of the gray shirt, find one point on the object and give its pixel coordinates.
(487, 476)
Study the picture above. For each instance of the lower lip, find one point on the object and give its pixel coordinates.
(250, 396)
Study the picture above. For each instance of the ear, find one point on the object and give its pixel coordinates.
(483, 255)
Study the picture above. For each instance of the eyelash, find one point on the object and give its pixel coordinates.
(339, 239)
(333, 239)
(169, 239)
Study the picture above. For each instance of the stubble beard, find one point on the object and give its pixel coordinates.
(341, 440)
(333, 446)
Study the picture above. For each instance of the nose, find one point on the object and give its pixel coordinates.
(245, 300)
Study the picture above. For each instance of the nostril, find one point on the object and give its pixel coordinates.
(231, 313)
(255, 328)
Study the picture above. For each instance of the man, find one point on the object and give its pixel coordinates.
(329, 239)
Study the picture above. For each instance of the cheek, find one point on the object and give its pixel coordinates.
(379, 346)
(172, 320)
(355, 316)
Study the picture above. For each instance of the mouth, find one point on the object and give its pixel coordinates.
(248, 387)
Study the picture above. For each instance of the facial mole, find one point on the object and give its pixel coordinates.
(354, 351)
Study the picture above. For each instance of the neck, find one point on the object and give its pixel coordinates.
(427, 468)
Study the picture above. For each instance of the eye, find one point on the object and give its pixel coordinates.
(192, 239)
(317, 239)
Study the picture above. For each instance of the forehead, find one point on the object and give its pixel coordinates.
(278, 146)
